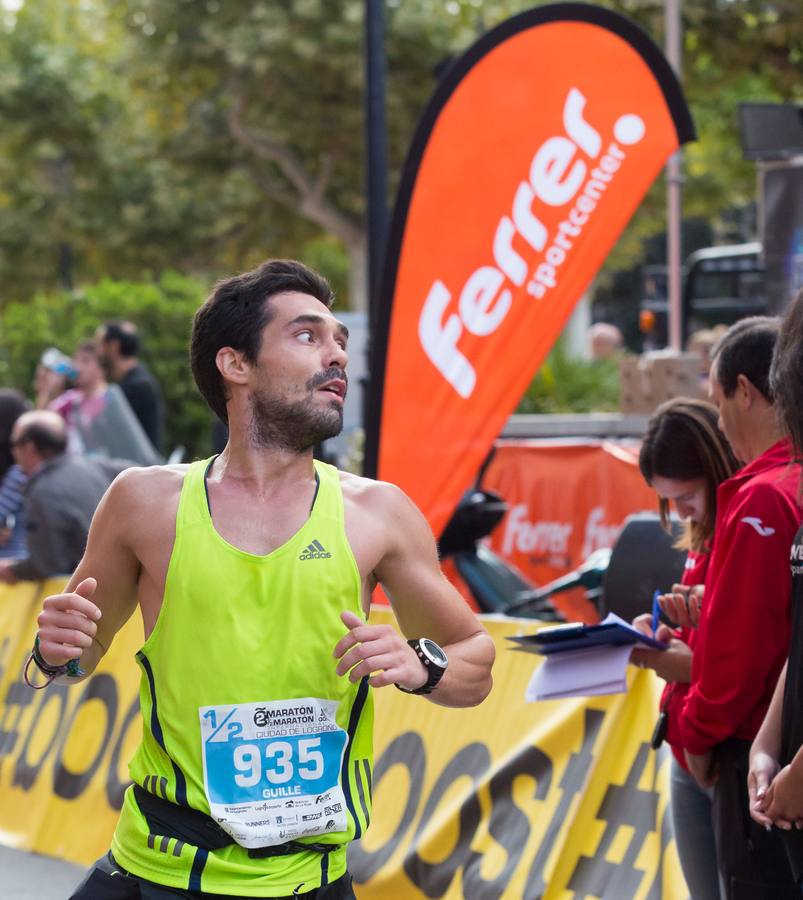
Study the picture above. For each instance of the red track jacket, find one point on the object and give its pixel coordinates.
(743, 634)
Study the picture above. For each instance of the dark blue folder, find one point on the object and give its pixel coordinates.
(562, 638)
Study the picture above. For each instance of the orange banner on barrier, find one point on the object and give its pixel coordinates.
(566, 499)
(532, 156)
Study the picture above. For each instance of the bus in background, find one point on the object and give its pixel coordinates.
(720, 286)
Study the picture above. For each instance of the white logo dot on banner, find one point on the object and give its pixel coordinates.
(629, 129)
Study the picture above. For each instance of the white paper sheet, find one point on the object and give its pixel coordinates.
(580, 673)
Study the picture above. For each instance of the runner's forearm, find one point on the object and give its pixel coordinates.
(768, 739)
(467, 680)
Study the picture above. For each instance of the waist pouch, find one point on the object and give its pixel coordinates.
(196, 828)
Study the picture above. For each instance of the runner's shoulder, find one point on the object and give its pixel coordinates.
(143, 487)
(377, 497)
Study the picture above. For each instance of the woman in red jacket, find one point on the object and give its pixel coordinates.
(685, 457)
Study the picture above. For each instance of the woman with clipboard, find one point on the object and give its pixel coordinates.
(685, 457)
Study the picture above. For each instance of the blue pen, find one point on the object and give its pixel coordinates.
(656, 610)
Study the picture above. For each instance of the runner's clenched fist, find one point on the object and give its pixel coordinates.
(67, 624)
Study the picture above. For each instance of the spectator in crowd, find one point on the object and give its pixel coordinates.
(685, 458)
(701, 343)
(775, 781)
(12, 479)
(100, 421)
(119, 349)
(60, 497)
(81, 405)
(744, 625)
(53, 372)
(604, 340)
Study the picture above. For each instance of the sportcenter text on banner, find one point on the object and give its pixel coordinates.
(530, 159)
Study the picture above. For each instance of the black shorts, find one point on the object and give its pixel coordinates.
(107, 881)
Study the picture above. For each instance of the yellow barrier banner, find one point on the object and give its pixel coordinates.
(558, 800)
(550, 800)
(64, 750)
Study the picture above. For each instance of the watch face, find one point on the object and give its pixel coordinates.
(433, 652)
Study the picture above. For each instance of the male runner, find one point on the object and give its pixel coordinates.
(253, 572)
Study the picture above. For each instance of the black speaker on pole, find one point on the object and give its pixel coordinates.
(771, 131)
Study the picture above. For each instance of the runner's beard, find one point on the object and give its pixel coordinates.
(295, 426)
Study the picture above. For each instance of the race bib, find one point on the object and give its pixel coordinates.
(272, 770)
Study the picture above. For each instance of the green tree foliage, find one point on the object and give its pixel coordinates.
(566, 384)
(273, 91)
(162, 310)
(82, 193)
(204, 135)
(95, 178)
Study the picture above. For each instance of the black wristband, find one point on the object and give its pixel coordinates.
(71, 668)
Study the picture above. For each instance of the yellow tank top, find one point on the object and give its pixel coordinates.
(244, 716)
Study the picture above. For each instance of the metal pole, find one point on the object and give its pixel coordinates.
(376, 149)
(674, 183)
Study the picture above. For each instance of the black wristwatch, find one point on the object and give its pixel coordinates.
(435, 662)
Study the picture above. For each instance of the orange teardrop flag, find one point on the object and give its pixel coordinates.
(532, 155)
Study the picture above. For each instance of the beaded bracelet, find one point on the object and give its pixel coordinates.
(71, 668)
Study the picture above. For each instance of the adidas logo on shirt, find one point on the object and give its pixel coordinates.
(315, 550)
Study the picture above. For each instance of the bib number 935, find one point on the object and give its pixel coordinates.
(279, 763)
(271, 751)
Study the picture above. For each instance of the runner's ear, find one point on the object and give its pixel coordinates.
(232, 365)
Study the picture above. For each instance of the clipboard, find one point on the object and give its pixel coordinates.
(612, 631)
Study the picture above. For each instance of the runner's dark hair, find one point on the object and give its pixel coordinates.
(683, 442)
(234, 315)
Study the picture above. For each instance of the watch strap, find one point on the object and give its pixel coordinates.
(434, 672)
